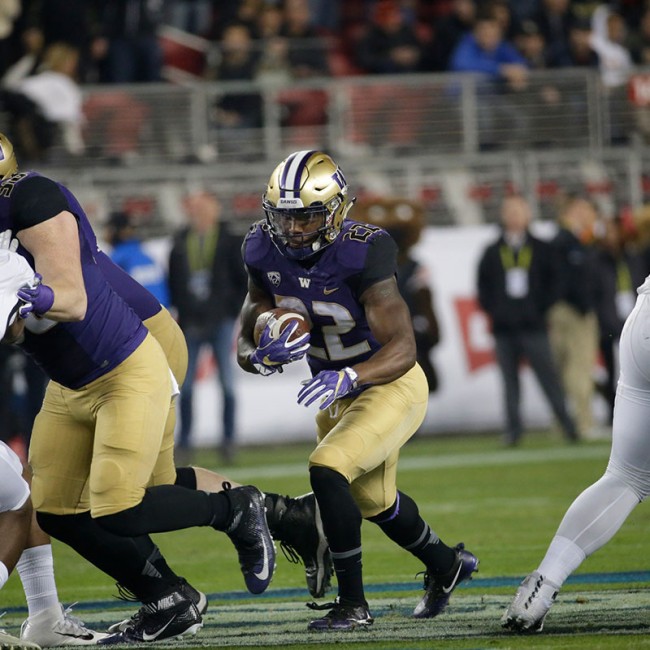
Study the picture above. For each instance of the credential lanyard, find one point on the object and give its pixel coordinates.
(521, 259)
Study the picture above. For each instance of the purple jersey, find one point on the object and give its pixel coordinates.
(327, 287)
(73, 354)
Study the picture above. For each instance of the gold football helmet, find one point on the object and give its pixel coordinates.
(8, 162)
(306, 202)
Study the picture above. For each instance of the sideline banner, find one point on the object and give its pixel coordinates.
(469, 397)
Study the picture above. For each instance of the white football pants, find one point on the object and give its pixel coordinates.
(14, 490)
(597, 514)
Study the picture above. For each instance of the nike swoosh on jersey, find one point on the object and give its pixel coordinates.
(152, 637)
(327, 291)
(453, 582)
(264, 573)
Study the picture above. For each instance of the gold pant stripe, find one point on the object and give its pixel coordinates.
(172, 340)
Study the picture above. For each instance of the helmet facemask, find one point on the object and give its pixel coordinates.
(302, 232)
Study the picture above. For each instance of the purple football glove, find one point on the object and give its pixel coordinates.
(271, 354)
(328, 385)
(37, 299)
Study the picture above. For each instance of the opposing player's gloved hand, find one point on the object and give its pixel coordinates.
(37, 298)
(328, 385)
(271, 354)
(7, 242)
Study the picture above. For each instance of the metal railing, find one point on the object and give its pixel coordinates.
(452, 141)
(400, 115)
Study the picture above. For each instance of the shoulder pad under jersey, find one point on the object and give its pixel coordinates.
(354, 242)
(257, 243)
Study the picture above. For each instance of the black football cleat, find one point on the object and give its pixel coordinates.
(438, 588)
(196, 596)
(296, 524)
(171, 615)
(250, 534)
(341, 617)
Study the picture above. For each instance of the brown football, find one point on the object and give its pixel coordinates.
(279, 318)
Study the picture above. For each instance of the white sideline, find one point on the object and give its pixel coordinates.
(495, 459)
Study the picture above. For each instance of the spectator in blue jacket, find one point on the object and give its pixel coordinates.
(484, 50)
(129, 254)
(503, 115)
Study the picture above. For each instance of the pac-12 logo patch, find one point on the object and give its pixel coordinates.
(274, 278)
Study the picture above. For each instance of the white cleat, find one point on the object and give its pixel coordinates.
(530, 605)
(56, 627)
(8, 642)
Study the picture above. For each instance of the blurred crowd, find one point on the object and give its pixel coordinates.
(51, 48)
(117, 39)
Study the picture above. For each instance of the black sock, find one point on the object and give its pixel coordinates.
(186, 477)
(170, 507)
(349, 576)
(342, 525)
(402, 523)
(134, 562)
(275, 505)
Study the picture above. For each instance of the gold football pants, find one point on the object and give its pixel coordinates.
(172, 340)
(96, 448)
(361, 437)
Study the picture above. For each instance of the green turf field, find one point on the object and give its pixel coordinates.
(505, 504)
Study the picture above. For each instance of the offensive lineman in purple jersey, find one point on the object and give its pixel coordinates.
(373, 396)
(97, 438)
(293, 521)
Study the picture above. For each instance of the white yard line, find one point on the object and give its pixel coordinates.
(497, 458)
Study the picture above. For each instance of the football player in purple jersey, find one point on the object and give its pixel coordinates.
(293, 521)
(96, 448)
(372, 396)
(23, 544)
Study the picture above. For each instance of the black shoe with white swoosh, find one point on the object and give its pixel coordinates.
(172, 615)
(249, 532)
(196, 596)
(438, 588)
